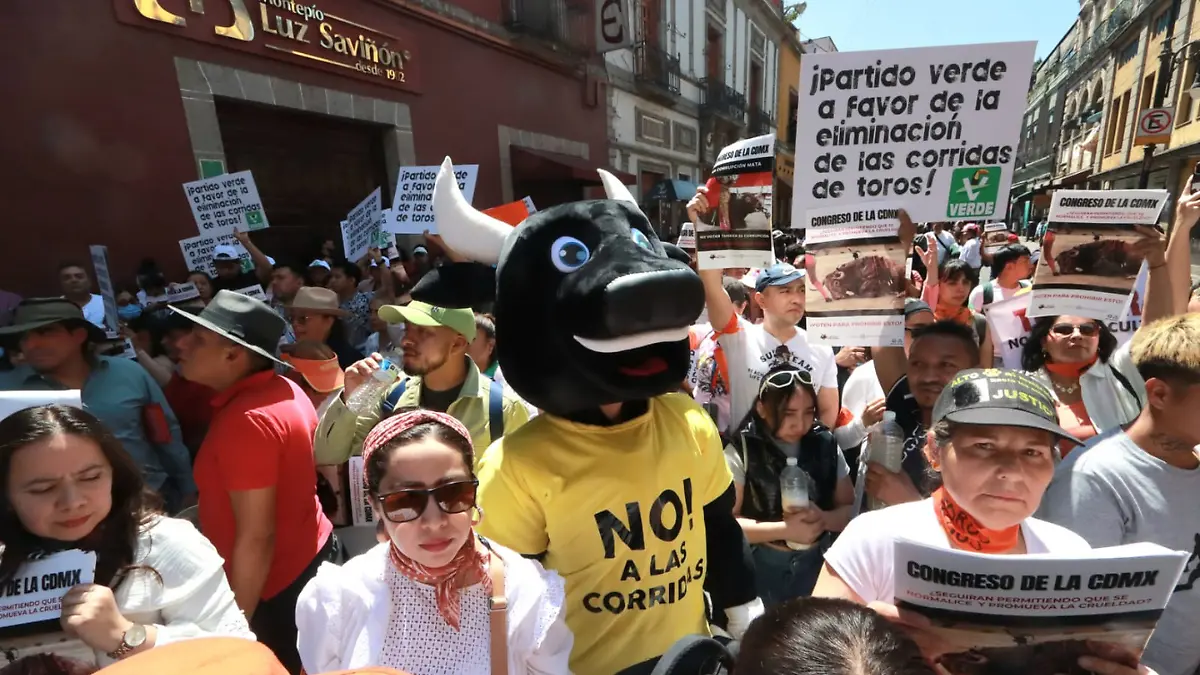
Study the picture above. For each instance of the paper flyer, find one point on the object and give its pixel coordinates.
(995, 237)
(735, 229)
(935, 127)
(104, 281)
(1088, 264)
(513, 213)
(360, 229)
(226, 203)
(361, 512)
(1034, 614)
(412, 205)
(181, 293)
(36, 590)
(1010, 323)
(687, 237)
(854, 270)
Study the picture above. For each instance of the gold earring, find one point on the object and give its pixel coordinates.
(477, 516)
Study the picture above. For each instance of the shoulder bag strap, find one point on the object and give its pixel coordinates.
(498, 616)
(496, 410)
(988, 294)
(393, 397)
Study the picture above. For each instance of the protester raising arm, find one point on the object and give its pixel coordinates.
(262, 264)
(1179, 254)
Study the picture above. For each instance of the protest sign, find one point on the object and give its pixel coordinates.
(854, 270)
(198, 251)
(412, 206)
(104, 281)
(735, 228)
(360, 229)
(226, 203)
(935, 128)
(995, 237)
(513, 213)
(360, 502)
(181, 292)
(12, 401)
(1089, 263)
(1034, 614)
(1010, 323)
(687, 237)
(256, 291)
(36, 590)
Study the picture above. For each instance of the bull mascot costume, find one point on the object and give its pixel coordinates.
(619, 485)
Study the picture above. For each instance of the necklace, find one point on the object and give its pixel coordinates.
(1065, 388)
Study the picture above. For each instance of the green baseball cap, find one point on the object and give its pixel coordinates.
(461, 321)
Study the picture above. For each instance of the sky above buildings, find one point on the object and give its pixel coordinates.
(857, 25)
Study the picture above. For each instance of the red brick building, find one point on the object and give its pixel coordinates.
(111, 104)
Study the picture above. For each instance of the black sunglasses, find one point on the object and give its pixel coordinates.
(403, 506)
(1067, 330)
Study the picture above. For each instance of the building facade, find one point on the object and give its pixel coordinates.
(1038, 149)
(785, 126)
(322, 101)
(700, 75)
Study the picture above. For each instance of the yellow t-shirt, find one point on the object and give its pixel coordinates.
(619, 513)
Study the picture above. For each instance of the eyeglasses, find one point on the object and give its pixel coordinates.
(1067, 329)
(403, 506)
(784, 379)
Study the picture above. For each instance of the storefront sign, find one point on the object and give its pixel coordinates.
(299, 32)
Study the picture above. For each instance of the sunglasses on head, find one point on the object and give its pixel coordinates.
(403, 506)
(784, 379)
(1067, 329)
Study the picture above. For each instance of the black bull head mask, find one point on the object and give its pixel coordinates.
(591, 308)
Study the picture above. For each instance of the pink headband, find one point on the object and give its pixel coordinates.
(398, 424)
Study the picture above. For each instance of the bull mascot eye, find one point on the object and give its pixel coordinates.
(569, 254)
(641, 239)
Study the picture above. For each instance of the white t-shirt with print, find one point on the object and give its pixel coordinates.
(969, 253)
(864, 555)
(975, 299)
(751, 352)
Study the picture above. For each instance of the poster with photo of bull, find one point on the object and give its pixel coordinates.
(855, 278)
(995, 237)
(1089, 262)
(733, 218)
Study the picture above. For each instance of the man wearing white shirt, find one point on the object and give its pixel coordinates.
(970, 251)
(1011, 266)
(77, 287)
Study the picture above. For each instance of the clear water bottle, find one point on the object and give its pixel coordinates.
(793, 491)
(887, 447)
(366, 398)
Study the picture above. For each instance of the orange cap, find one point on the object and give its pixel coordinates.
(325, 375)
(204, 656)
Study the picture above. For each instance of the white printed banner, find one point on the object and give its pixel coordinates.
(360, 229)
(104, 281)
(254, 291)
(412, 206)
(935, 128)
(182, 292)
(226, 203)
(36, 591)
(360, 502)
(1089, 262)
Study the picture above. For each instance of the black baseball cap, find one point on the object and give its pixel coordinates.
(999, 397)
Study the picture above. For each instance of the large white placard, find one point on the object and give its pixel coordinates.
(198, 250)
(412, 206)
(226, 203)
(361, 227)
(36, 591)
(104, 281)
(935, 128)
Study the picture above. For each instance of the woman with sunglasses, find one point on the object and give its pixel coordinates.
(781, 427)
(436, 598)
(1095, 384)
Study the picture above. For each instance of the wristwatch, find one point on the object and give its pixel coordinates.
(131, 640)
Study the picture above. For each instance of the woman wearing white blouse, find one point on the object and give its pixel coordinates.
(435, 599)
(993, 442)
(68, 484)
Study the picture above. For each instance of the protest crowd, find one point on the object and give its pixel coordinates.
(562, 445)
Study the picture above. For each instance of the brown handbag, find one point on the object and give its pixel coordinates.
(498, 616)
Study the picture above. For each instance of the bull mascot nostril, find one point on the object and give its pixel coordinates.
(620, 485)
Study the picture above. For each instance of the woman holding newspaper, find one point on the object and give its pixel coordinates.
(993, 443)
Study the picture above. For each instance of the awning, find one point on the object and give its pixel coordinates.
(671, 191)
(552, 166)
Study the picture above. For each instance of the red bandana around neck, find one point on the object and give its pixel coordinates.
(956, 314)
(1071, 370)
(968, 534)
(469, 560)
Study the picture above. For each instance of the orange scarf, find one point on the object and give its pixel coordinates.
(1071, 370)
(446, 579)
(968, 534)
(956, 314)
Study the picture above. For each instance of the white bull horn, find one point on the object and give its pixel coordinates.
(470, 233)
(616, 190)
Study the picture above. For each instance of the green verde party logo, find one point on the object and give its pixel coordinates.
(973, 192)
(254, 219)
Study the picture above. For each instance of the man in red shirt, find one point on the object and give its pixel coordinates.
(255, 469)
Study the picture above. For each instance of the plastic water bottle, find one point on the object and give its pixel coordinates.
(366, 398)
(793, 491)
(887, 447)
